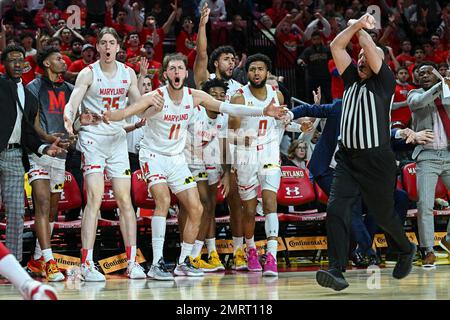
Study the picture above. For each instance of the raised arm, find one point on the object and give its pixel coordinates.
(340, 56)
(171, 19)
(374, 55)
(84, 80)
(201, 73)
(417, 100)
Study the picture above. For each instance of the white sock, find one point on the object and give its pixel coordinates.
(13, 271)
(250, 243)
(158, 234)
(271, 225)
(131, 251)
(186, 250)
(197, 250)
(48, 255)
(210, 245)
(238, 242)
(272, 246)
(37, 251)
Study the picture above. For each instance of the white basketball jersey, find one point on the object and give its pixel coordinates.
(265, 128)
(166, 131)
(104, 94)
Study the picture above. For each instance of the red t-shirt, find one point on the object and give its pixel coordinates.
(66, 48)
(77, 65)
(133, 57)
(276, 15)
(289, 43)
(54, 15)
(337, 84)
(29, 70)
(403, 58)
(123, 29)
(186, 44)
(436, 58)
(153, 72)
(146, 34)
(402, 114)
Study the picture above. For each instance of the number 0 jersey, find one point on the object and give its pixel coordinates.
(166, 131)
(104, 94)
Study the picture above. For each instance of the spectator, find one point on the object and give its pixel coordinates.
(400, 111)
(430, 54)
(276, 12)
(320, 25)
(87, 57)
(405, 58)
(133, 49)
(443, 68)
(26, 40)
(238, 35)
(337, 84)
(390, 59)
(316, 59)
(419, 56)
(67, 34)
(75, 52)
(297, 154)
(156, 35)
(218, 11)
(430, 111)
(153, 66)
(19, 16)
(186, 41)
(121, 26)
(287, 43)
(48, 16)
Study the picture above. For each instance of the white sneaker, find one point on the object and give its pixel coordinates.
(90, 273)
(135, 271)
(34, 290)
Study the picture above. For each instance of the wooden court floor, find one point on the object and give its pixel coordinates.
(293, 284)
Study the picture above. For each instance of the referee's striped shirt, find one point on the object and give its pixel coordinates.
(366, 108)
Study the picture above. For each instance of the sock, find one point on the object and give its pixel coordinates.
(271, 225)
(131, 253)
(186, 249)
(429, 249)
(210, 245)
(250, 243)
(197, 250)
(158, 234)
(272, 246)
(37, 251)
(48, 255)
(238, 242)
(86, 254)
(13, 271)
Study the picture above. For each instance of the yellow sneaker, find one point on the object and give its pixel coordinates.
(53, 273)
(239, 261)
(202, 265)
(214, 260)
(36, 267)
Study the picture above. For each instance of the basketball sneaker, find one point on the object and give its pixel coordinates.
(253, 261)
(34, 290)
(200, 264)
(135, 271)
(270, 266)
(239, 261)
(214, 260)
(187, 269)
(159, 271)
(52, 272)
(90, 273)
(36, 267)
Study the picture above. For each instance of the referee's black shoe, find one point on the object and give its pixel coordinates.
(404, 263)
(332, 278)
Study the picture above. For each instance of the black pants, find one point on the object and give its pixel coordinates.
(134, 161)
(370, 173)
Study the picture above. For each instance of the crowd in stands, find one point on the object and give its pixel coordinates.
(412, 32)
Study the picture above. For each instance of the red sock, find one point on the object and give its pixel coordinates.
(131, 253)
(84, 253)
(3, 251)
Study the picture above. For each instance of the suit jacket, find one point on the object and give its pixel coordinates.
(29, 139)
(325, 147)
(422, 106)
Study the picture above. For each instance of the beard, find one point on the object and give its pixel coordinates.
(173, 86)
(256, 85)
(224, 76)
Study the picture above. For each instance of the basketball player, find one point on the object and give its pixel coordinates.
(30, 289)
(46, 174)
(205, 157)
(161, 154)
(258, 161)
(222, 61)
(102, 86)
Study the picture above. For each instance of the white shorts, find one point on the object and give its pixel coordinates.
(199, 172)
(173, 170)
(101, 153)
(214, 173)
(48, 168)
(258, 166)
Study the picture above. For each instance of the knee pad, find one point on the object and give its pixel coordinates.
(271, 225)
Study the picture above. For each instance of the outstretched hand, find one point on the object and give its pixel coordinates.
(317, 96)
(89, 118)
(275, 111)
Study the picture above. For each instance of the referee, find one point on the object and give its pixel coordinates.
(365, 161)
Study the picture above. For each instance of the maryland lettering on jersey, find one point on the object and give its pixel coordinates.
(112, 91)
(176, 117)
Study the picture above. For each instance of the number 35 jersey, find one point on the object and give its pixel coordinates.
(104, 94)
(166, 131)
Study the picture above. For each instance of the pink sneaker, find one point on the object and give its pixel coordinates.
(270, 267)
(252, 260)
